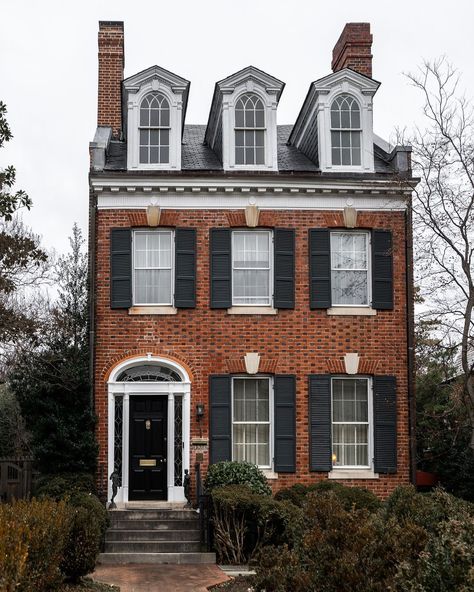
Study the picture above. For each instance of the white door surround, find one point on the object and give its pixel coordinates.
(179, 397)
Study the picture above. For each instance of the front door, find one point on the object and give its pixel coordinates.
(148, 431)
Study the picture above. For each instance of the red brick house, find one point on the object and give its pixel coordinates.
(251, 289)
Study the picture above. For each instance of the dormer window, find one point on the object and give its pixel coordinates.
(155, 101)
(345, 131)
(249, 131)
(154, 129)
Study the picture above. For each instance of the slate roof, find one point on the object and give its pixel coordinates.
(195, 156)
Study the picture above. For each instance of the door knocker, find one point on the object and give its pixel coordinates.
(148, 424)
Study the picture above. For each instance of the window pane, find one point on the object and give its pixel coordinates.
(259, 138)
(346, 156)
(154, 137)
(349, 287)
(336, 139)
(164, 155)
(154, 155)
(144, 138)
(355, 119)
(164, 137)
(153, 286)
(144, 155)
(249, 156)
(249, 118)
(259, 118)
(355, 139)
(356, 156)
(346, 139)
(251, 400)
(260, 156)
(239, 156)
(336, 156)
(345, 119)
(239, 138)
(251, 287)
(335, 119)
(154, 117)
(249, 138)
(165, 117)
(144, 116)
(239, 118)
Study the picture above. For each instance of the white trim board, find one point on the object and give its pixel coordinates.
(122, 200)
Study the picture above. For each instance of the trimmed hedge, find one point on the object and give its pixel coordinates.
(32, 539)
(237, 473)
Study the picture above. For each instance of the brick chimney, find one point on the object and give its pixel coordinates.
(111, 64)
(354, 49)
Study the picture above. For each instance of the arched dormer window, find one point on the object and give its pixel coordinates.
(249, 130)
(154, 129)
(346, 131)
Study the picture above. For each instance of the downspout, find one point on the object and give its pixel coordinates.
(410, 327)
(91, 291)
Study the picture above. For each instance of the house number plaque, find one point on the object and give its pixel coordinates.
(148, 462)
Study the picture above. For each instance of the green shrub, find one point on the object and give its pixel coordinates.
(58, 486)
(244, 520)
(88, 523)
(40, 528)
(349, 496)
(237, 473)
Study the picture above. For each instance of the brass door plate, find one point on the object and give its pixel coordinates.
(148, 462)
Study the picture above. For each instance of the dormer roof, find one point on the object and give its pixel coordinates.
(250, 76)
(325, 85)
(157, 75)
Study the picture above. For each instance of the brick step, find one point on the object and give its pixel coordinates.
(155, 524)
(152, 547)
(115, 534)
(171, 558)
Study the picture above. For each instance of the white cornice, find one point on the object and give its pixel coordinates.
(245, 186)
(276, 201)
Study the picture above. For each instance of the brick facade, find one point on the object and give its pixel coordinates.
(299, 341)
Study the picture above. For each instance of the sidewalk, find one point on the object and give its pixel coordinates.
(160, 578)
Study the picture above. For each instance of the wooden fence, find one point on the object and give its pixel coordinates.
(16, 478)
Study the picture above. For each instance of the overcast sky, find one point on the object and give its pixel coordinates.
(48, 70)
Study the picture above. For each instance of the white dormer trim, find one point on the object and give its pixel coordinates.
(174, 88)
(228, 91)
(362, 89)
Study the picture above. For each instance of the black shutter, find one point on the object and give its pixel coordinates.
(385, 424)
(221, 268)
(382, 270)
(220, 418)
(120, 268)
(320, 422)
(284, 268)
(285, 424)
(320, 268)
(185, 273)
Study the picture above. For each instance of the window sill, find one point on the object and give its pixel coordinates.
(252, 310)
(352, 474)
(269, 474)
(362, 311)
(152, 310)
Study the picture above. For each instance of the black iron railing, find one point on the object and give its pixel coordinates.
(203, 507)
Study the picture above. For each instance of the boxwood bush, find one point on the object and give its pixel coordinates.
(237, 473)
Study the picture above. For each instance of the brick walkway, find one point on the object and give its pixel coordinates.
(160, 578)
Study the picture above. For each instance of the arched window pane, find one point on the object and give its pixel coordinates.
(149, 373)
(345, 131)
(249, 132)
(154, 129)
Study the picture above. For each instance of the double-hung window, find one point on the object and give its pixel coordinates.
(153, 255)
(251, 412)
(154, 129)
(350, 268)
(252, 268)
(249, 131)
(346, 131)
(351, 412)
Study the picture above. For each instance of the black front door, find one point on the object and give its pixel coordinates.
(148, 430)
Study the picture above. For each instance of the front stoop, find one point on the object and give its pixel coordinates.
(145, 535)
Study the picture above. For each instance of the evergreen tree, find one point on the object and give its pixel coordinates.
(51, 382)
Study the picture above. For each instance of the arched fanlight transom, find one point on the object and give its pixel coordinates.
(149, 373)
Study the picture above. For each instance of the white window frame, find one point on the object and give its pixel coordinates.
(370, 422)
(159, 128)
(250, 129)
(172, 235)
(270, 268)
(359, 130)
(270, 415)
(369, 268)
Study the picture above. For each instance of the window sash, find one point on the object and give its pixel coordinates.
(240, 270)
(153, 271)
(257, 442)
(340, 274)
(355, 446)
